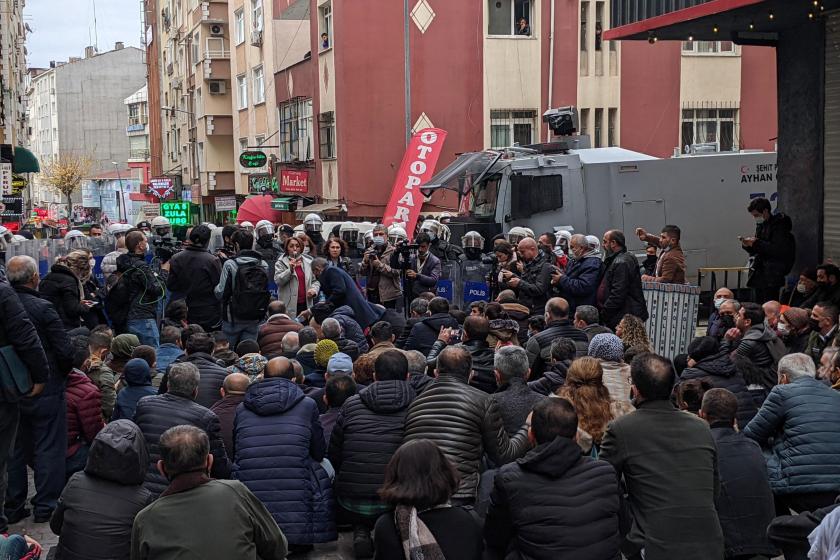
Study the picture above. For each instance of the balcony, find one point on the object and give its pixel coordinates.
(209, 12)
(216, 69)
(138, 155)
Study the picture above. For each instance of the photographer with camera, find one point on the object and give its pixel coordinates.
(383, 282)
(424, 268)
(532, 281)
(195, 273)
(164, 244)
(501, 259)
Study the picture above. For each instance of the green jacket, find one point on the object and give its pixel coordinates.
(104, 378)
(219, 520)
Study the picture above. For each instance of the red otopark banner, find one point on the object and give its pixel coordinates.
(417, 167)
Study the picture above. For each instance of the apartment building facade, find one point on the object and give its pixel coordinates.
(137, 130)
(13, 73)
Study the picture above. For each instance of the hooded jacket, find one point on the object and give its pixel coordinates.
(62, 287)
(425, 332)
(368, 431)
(554, 503)
(764, 349)
(352, 330)
(84, 411)
(774, 251)
(721, 373)
(279, 445)
(138, 384)
(96, 511)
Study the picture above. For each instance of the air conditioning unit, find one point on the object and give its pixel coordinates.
(177, 83)
(217, 87)
(256, 37)
(217, 30)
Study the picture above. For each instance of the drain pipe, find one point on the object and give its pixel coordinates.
(550, 70)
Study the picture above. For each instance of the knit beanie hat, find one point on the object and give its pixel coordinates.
(123, 345)
(796, 317)
(607, 347)
(340, 364)
(324, 351)
(136, 372)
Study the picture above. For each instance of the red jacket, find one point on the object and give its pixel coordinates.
(84, 411)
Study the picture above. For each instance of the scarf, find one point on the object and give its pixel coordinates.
(184, 481)
(418, 542)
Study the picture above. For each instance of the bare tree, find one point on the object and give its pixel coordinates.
(66, 173)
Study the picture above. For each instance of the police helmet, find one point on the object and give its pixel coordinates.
(472, 239)
(264, 227)
(313, 222)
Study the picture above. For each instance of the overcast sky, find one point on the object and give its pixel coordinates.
(61, 29)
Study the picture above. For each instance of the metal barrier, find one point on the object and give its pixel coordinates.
(672, 316)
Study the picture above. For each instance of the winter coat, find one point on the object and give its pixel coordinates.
(721, 373)
(620, 291)
(406, 331)
(465, 423)
(352, 330)
(54, 338)
(103, 377)
(763, 348)
(745, 503)
(669, 463)
(272, 332)
(516, 401)
(225, 410)
(552, 379)
(195, 273)
(166, 354)
(535, 284)
(670, 266)
(800, 417)
(617, 380)
(16, 330)
(554, 503)
(211, 379)
(369, 430)
(224, 289)
(62, 287)
(389, 278)
(287, 283)
(109, 262)
(135, 388)
(774, 251)
(455, 529)
(425, 332)
(427, 277)
(579, 285)
(538, 347)
(156, 414)
(814, 347)
(340, 289)
(145, 289)
(96, 511)
(482, 355)
(84, 411)
(521, 315)
(279, 445)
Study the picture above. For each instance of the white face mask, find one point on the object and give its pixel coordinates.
(719, 302)
(558, 251)
(783, 328)
(801, 288)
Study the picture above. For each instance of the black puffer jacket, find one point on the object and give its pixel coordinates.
(369, 429)
(465, 423)
(145, 288)
(482, 361)
(426, 331)
(620, 291)
(62, 288)
(211, 380)
(552, 379)
(96, 510)
(763, 349)
(17, 330)
(553, 503)
(721, 373)
(539, 345)
(156, 414)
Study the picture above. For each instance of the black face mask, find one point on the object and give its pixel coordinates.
(814, 324)
(472, 253)
(727, 321)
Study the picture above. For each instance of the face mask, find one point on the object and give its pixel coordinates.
(473, 253)
(759, 221)
(727, 322)
(814, 324)
(558, 251)
(801, 288)
(306, 250)
(379, 241)
(718, 302)
(783, 329)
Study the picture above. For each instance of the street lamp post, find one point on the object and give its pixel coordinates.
(121, 203)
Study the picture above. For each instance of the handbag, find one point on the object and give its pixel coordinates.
(15, 382)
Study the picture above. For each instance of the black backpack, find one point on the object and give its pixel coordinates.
(250, 296)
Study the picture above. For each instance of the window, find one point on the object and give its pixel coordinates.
(201, 165)
(242, 91)
(326, 26)
(509, 127)
(259, 85)
(599, 123)
(239, 26)
(296, 134)
(534, 194)
(137, 114)
(257, 14)
(584, 11)
(196, 49)
(612, 118)
(599, 26)
(584, 121)
(505, 17)
(716, 127)
(708, 47)
(326, 135)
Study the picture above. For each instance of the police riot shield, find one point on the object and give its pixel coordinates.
(474, 286)
(450, 279)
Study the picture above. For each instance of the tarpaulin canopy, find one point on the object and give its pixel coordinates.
(25, 161)
(256, 208)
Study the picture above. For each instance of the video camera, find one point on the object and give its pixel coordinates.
(165, 246)
(490, 259)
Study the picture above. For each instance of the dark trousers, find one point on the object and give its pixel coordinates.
(803, 502)
(8, 428)
(41, 442)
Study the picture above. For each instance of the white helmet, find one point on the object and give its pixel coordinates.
(564, 238)
(313, 222)
(160, 221)
(264, 227)
(5, 233)
(368, 236)
(517, 234)
(72, 234)
(210, 225)
(432, 227)
(349, 232)
(445, 232)
(18, 238)
(247, 226)
(396, 234)
(472, 239)
(118, 228)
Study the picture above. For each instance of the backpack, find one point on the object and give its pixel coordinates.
(249, 298)
(117, 300)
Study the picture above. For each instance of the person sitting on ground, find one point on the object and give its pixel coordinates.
(419, 483)
(587, 319)
(727, 317)
(99, 344)
(824, 329)
(562, 352)
(609, 349)
(369, 430)
(689, 395)
(199, 346)
(752, 339)
(477, 307)
(233, 393)
(715, 329)
(794, 329)
(273, 331)
(417, 368)
(148, 355)
(515, 311)
(96, 511)
(168, 351)
(631, 331)
(122, 347)
(557, 325)
(363, 371)
(536, 325)
(418, 310)
(289, 346)
(553, 503)
(346, 318)
(514, 398)
(138, 379)
(324, 350)
(251, 364)
(307, 340)
(234, 523)
(84, 409)
(805, 454)
(338, 389)
(426, 331)
(331, 330)
(745, 502)
(772, 312)
(474, 340)
(382, 336)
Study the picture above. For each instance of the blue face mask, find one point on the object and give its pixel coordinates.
(379, 241)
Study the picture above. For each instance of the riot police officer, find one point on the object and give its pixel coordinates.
(313, 224)
(518, 233)
(349, 233)
(474, 271)
(440, 247)
(268, 247)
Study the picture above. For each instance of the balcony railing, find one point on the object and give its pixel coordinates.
(138, 154)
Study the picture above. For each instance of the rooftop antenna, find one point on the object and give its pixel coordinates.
(95, 30)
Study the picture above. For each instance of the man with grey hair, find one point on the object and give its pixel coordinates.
(417, 376)
(234, 523)
(418, 310)
(157, 413)
(587, 319)
(578, 284)
(799, 417)
(383, 282)
(514, 397)
(290, 343)
(331, 329)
